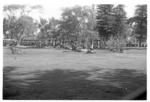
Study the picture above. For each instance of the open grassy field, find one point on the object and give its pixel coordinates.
(60, 74)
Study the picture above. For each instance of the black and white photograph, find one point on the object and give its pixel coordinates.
(74, 50)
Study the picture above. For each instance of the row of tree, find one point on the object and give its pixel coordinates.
(97, 26)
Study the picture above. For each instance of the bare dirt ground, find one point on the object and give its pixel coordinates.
(59, 74)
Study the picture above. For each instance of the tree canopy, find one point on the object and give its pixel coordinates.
(18, 27)
(139, 23)
(78, 26)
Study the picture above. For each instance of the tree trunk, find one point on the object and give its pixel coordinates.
(102, 44)
(20, 39)
(140, 42)
(98, 44)
(119, 45)
(92, 44)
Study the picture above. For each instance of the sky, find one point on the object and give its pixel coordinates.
(53, 8)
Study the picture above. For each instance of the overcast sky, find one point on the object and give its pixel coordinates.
(53, 8)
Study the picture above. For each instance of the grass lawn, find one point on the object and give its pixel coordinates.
(59, 74)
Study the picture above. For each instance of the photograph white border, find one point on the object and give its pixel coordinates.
(126, 2)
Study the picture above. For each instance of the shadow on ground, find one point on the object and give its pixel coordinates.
(100, 84)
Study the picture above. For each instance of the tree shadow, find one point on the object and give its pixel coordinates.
(58, 84)
(9, 90)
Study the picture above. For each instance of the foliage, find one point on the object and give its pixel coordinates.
(139, 23)
(17, 27)
(79, 27)
(105, 20)
(78, 24)
(111, 23)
